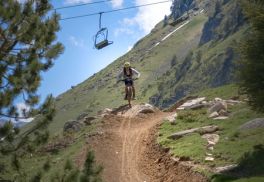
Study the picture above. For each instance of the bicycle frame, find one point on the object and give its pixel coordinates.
(129, 91)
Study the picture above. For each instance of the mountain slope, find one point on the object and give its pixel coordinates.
(101, 91)
(173, 61)
(212, 63)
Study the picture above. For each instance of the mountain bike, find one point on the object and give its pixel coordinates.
(129, 90)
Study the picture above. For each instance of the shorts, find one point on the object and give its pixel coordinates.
(129, 82)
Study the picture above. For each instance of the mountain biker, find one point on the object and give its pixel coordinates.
(127, 74)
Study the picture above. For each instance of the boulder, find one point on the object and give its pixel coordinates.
(171, 119)
(211, 138)
(225, 168)
(221, 118)
(223, 113)
(180, 102)
(209, 159)
(217, 99)
(104, 112)
(88, 120)
(217, 107)
(208, 129)
(72, 125)
(140, 110)
(190, 103)
(81, 116)
(233, 102)
(214, 115)
(198, 106)
(253, 124)
(201, 130)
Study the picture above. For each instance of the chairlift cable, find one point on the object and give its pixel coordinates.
(83, 4)
(115, 10)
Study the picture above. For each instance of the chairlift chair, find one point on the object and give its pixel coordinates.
(101, 37)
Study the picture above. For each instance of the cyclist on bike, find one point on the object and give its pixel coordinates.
(127, 74)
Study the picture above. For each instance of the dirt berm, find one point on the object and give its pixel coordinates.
(128, 151)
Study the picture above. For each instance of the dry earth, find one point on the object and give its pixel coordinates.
(128, 151)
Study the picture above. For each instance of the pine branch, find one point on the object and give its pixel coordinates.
(14, 117)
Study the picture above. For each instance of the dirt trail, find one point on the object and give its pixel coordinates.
(128, 151)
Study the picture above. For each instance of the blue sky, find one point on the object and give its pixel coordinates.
(80, 60)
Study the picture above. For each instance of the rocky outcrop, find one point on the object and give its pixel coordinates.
(217, 107)
(253, 124)
(180, 7)
(72, 126)
(201, 130)
(171, 119)
(220, 25)
(88, 120)
(138, 110)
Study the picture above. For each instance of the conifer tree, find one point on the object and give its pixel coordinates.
(251, 70)
(91, 172)
(28, 47)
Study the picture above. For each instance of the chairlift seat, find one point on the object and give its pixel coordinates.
(102, 44)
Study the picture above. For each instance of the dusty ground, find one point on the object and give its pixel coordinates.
(128, 151)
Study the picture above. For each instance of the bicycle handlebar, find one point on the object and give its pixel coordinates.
(133, 79)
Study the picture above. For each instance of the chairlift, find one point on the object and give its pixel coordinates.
(101, 37)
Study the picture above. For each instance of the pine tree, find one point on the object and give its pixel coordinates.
(28, 47)
(251, 70)
(91, 172)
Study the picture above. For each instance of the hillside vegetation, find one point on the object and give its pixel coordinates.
(194, 57)
(170, 69)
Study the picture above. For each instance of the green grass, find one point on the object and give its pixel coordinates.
(234, 144)
(32, 165)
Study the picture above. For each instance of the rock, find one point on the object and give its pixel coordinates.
(214, 115)
(208, 129)
(218, 99)
(233, 102)
(210, 159)
(225, 168)
(210, 148)
(72, 126)
(217, 107)
(180, 102)
(209, 154)
(171, 119)
(88, 120)
(223, 113)
(201, 130)
(82, 116)
(140, 110)
(221, 118)
(104, 112)
(210, 144)
(146, 108)
(253, 124)
(190, 103)
(197, 106)
(211, 138)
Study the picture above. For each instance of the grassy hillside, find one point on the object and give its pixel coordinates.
(101, 90)
(242, 147)
(212, 63)
(180, 65)
(177, 66)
